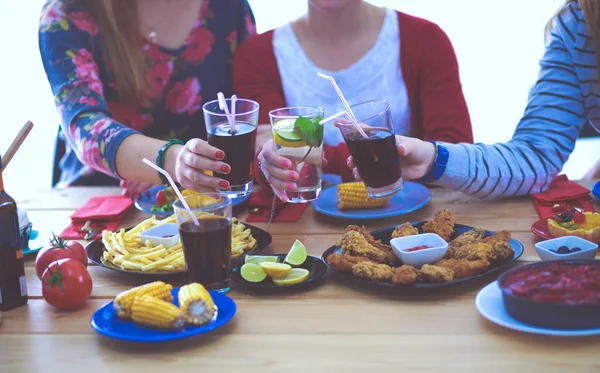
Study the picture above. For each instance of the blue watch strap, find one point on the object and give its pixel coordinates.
(439, 165)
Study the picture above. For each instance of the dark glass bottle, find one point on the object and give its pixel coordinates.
(13, 286)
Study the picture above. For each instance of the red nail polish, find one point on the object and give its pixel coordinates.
(292, 175)
(223, 184)
(225, 168)
(220, 155)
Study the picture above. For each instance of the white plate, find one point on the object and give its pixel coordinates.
(490, 305)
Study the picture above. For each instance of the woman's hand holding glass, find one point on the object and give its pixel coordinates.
(193, 160)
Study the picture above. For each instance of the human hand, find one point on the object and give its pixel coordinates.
(416, 156)
(192, 162)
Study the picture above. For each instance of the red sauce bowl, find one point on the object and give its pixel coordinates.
(562, 294)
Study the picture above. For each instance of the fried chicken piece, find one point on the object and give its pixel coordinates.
(434, 274)
(502, 236)
(469, 237)
(442, 224)
(500, 252)
(370, 239)
(344, 263)
(464, 268)
(405, 275)
(503, 252)
(404, 230)
(373, 271)
(355, 244)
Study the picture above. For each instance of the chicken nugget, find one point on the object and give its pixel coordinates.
(434, 274)
(467, 238)
(405, 275)
(355, 244)
(464, 268)
(502, 252)
(442, 224)
(373, 271)
(404, 230)
(367, 235)
(344, 263)
(479, 251)
(502, 236)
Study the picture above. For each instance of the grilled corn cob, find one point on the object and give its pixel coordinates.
(150, 311)
(196, 303)
(124, 300)
(354, 196)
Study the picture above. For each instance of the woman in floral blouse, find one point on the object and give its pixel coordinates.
(129, 75)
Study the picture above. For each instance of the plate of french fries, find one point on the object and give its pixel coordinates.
(125, 251)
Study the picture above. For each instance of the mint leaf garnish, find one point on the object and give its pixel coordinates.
(309, 130)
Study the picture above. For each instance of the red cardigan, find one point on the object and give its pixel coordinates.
(429, 68)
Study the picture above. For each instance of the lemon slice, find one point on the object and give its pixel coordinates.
(275, 270)
(297, 254)
(252, 273)
(295, 276)
(257, 259)
(284, 134)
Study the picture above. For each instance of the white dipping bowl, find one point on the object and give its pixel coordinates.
(419, 257)
(547, 249)
(166, 234)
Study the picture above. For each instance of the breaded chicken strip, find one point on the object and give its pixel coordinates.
(469, 237)
(404, 230)
(405, 275)
(434, 274)
(373, 271)
(442, 224)
(500, 252)
(464, 268)
(370, 239)
(502, 236)
(344, 263)
(503, 252)
(355, 244)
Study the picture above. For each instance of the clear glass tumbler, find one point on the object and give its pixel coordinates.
(305, 154)
(376, 155)
(207, 245)
(237, 144)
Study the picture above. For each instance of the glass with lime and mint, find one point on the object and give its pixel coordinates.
(298, 136)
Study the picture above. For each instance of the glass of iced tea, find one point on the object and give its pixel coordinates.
(300, 141)
(375, 156)
(237, 143)
(206, 245)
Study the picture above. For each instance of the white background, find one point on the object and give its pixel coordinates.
(498, 44)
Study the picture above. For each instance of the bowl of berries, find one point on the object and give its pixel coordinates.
(566, 248)
(569, 221)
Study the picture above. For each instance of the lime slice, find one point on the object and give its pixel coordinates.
(295, 276)
(257, 259)
(252, 273)
(284, 134)
(297, 254)
(275, 270)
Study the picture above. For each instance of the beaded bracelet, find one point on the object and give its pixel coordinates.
(160, 158)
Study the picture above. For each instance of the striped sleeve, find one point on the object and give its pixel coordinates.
(544, 138)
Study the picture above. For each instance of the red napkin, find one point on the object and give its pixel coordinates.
(104, 212)
(261, 202)
(562, 190)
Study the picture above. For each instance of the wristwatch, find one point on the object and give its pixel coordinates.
(439, 165)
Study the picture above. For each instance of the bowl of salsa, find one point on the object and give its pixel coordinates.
(561, 294)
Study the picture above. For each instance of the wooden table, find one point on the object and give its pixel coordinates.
(332, 327)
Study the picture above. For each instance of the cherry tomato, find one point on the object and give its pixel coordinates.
(66, 284)
(59, 249)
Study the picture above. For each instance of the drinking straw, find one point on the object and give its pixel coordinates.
(175, 189)
(333, 117)
(223, 106)
(16, 144)
(233, 102)
(341, 96)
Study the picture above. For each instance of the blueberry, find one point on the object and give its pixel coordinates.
(566, 217)
(563, 250)
(575, 249)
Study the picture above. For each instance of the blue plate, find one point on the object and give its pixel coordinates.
(106, 322)
(490, 305)
(147, 200)
(411, 198)
(596, 189)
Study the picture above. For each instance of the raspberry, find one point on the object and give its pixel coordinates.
(557, 218)
(559, 207)
(578, 217)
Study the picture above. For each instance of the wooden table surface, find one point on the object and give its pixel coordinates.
(334, 326)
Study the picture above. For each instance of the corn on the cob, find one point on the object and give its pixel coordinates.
(154, 312)
(196, 303)
(124, 300)
(354, 196)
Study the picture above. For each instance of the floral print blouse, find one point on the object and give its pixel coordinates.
(94, 122)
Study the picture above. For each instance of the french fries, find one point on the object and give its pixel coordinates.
(125, 249)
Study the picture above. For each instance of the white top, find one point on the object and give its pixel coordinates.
(377, 75)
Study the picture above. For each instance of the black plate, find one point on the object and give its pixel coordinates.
(95, 250)
(385, 234)
(315, 266)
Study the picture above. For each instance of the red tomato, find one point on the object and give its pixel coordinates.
(59, 249)
(161, 199)
(66, 284)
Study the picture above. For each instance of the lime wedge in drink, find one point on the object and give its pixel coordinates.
(257, 259)
(294, 276)
(284, 134)
(252, 272)
(297, 254)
